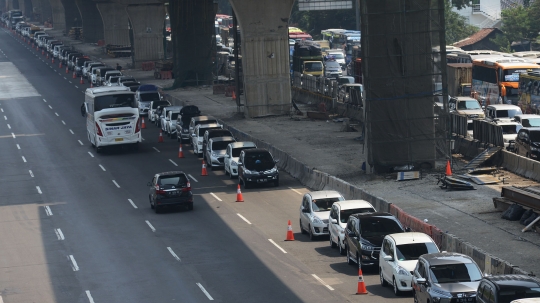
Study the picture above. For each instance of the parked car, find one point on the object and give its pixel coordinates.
(182, 123)
(445, 277)
(528, 142)
(215, 151)
(527, 300)
(165, 116)
(197, 136)
(528, 120)
(339, 214)
(100, 74)
(213, 133)
(146, 94)
(399, 256)
(507, 288)
(232, 155)
(133, 86)
(170, 189)
(170, 120)
(90, 69)
(510, 130)
(344, 80)
(364, 234)
(113, 81)
(108, 75)
(152, 109)
(314, 211)
(502, 112)
(466, 106)
(257, 166)
(200, 120)
(123, 79)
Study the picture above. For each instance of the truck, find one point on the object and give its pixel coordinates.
(459, 79)
(307, 59)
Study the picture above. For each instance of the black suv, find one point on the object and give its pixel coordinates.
(170, 189)
(257, 166)
(528, 142)
(506, 288)
(364, 235)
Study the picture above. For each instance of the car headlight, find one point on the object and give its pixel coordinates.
(247, 171)
(366, 247)
(316, 220)
(534, 148)
(402, 271)
(214, 154)
(440, 295)
(234, 163)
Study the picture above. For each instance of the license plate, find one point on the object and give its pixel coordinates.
(262, 180)
(465, 300)
(119, 139)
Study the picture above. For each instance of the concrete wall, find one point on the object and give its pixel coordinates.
(115, 23)
(91, 21)
(72, 15)
(58, 15)
(42, 10)
(147, 21)
(265, 55)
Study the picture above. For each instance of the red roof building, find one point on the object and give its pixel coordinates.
(480, 40)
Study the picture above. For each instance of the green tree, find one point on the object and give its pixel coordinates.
(519, 24)
(457, 27)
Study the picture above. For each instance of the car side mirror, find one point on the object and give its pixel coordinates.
(388, 258)
(149, 184)
(239, 163)
(333, 221)
(421, 281)
(167, 119)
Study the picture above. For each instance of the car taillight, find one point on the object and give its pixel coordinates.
(137, 128)
(187, 188)
(159, 191)
(99, 133)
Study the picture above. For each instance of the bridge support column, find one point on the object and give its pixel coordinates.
(265, 55)
(91, 21)
(72, 15)
(147, 21)
(115, 23)
(41, 10)
(58, 15)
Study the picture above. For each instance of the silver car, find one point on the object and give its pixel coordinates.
(314, 212)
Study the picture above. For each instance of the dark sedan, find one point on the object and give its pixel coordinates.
(170, 189)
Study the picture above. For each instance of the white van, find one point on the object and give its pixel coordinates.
(112, 117)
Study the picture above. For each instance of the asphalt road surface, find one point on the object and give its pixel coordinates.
(76, 226)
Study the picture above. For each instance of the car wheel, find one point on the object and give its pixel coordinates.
(349, 260)
(332, 244)
(246, 184)
(381, 278)
(302, 230)
(312, 237)
(156, 208)
(397, 292)
(341, 249)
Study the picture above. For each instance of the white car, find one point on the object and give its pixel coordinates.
(509, 131)
(528, 120)
(231, 156)
(314, 211)
(197, 136)
(399, 256)
(152, 110)
(215, 151)
(170, 120)
(339, 214)
(200, 120)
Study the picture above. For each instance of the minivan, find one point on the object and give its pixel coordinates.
(502, 112)
(528, 142)
(257, 166)
(507, 288)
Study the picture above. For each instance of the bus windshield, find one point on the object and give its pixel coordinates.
(112, 101)
(313, 66)
(512, 74)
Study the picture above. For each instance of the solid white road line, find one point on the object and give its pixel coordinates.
(74, 263)
(150, 225)
(31, 173)
(13, 135)
(192, 178)
(71, 132)
(24, 159)
(90, 299)
(322, 282)
(132, 204)
(18, 146)
(295, 191)
(173, 254)
(205, 292)
(173, 162)
(59, 234)
(217, 198)
(103, 168)
(38, 190)
(242, 217)
(63, 122)
(275, 244)
(113, 181)
(9, 126)
(80, 142)
(91, 154)
(48, 211)
(156, 149)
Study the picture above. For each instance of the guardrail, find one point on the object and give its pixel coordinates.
(459, 124)
(488, 132)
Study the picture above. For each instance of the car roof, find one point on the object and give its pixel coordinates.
(527, 116)
(537, 128)
(351, 204)
(464, 98)
(352, 84)
(242, 144)
(173, 107)
(374, 215)
(410, 237)
(504, 106)
(509, 282)
(208, 125)
(321, 194)
(168, 173)
(220, 139)
(446, 258)
(203, 118)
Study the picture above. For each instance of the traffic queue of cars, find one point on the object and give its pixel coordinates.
(407, 261)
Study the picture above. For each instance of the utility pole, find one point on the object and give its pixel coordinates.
(357, 8)
(236, 61)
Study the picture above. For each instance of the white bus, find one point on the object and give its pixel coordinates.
(112, 117)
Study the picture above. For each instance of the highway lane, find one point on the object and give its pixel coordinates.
(123, 258)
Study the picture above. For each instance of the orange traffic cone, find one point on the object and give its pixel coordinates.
(143, 125)
(60, 64)
(290, 235)
(239, 197)
(73, 76)
(233, 95)
(67, 71)
(180, 152)
(160, 136)
(361, 284)
(448, 168)
(204, 172)
(82, 81)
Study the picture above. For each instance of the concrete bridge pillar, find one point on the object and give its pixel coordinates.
(26, 7)
(58, 15)
(265, 55)
(147, 21)
(91, 21)
(115, 23)
(72, 15)
(41, 10)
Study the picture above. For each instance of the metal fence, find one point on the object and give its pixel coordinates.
(328, 87)
(459, 124)
(488, 132)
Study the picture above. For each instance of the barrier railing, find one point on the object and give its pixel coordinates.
(459, 124)
(326, 87)
(488, 132)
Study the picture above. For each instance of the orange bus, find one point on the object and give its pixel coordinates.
(495, 79)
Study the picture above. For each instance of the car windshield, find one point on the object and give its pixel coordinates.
(236, 151)
(220, 145)
(219, 133)
(508, 113)
(455, 273)
(323, 204)
(468, 104)
(507, 296)
(155, 104)
(174, 116)
(332, 64)
(412, 251)
(150, 96)
(530, 122)
(345, 214)
(202, 130)
(209, 121)
(313, 66)
(377, 226)
(337, 55)
(172, 181)
(113, 80)
(259, 161)
(111, 101)
(510, 129)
